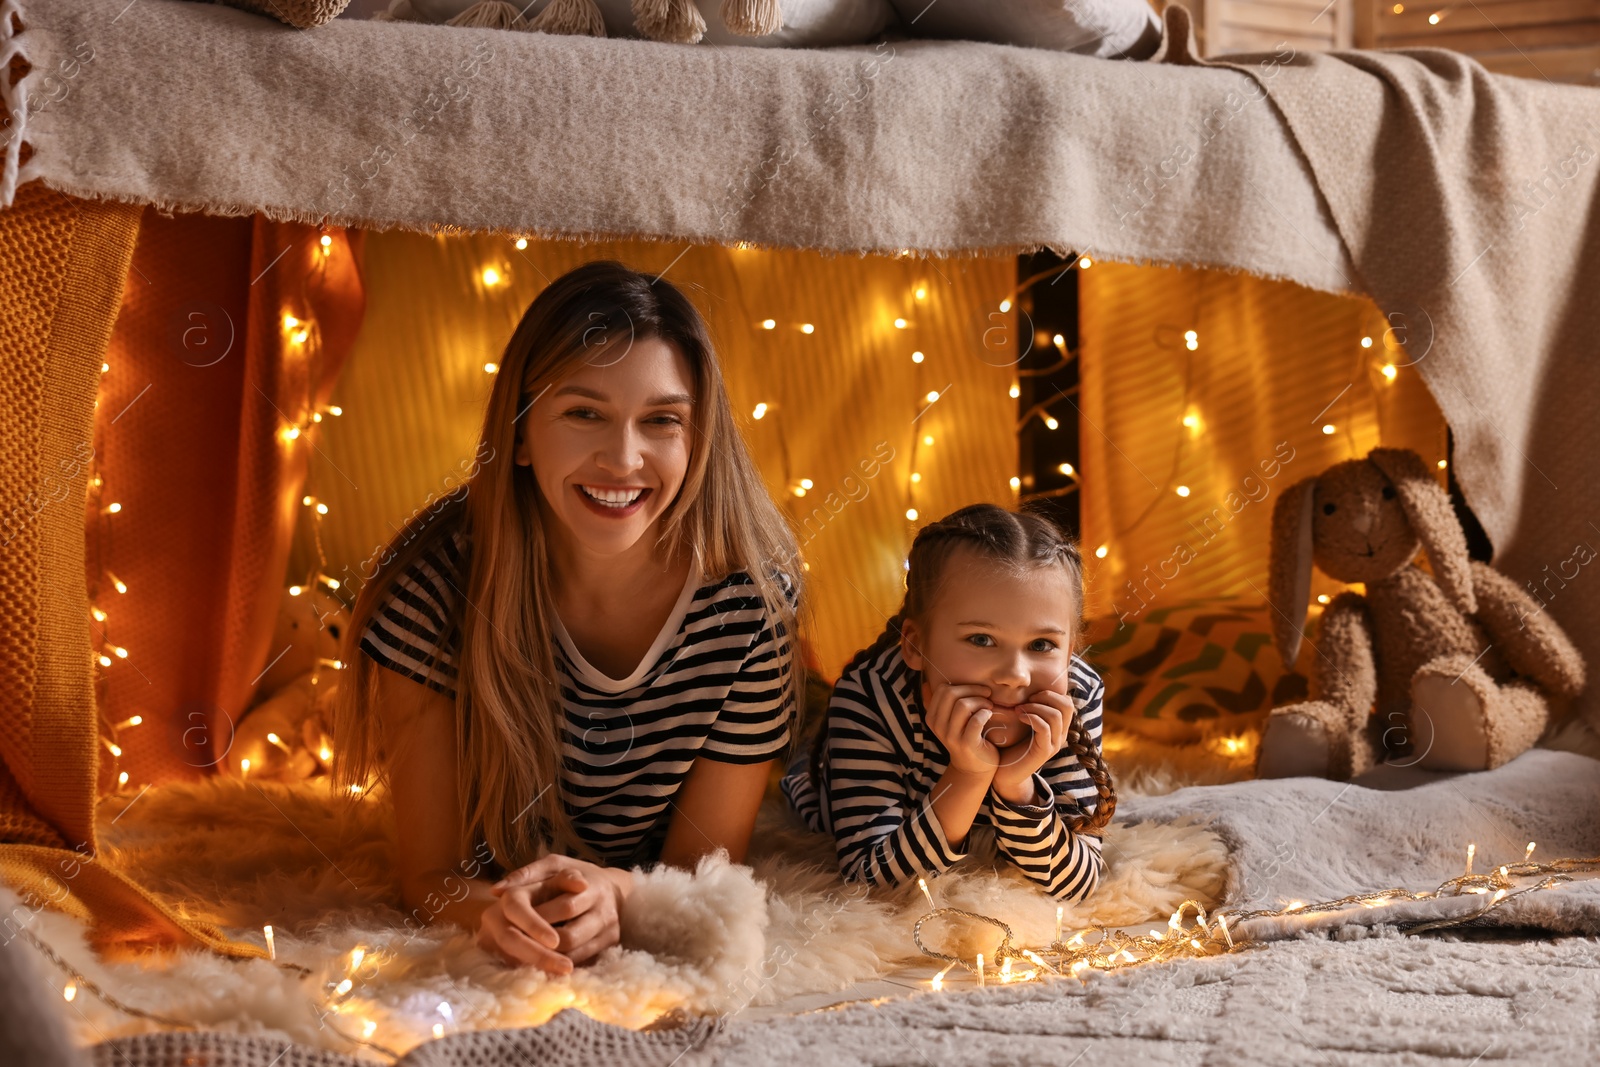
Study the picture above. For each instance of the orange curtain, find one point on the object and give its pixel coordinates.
(206, 381)
(207, 561)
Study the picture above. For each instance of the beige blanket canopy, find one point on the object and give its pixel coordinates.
(1464, 204)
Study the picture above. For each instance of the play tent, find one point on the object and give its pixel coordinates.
(1408, 197)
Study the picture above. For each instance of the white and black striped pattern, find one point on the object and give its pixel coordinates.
(713, 691)
(883, 761)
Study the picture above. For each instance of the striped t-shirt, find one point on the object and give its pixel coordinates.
(710, 686)
(883, 762)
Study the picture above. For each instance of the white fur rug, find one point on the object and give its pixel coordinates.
(248, 854)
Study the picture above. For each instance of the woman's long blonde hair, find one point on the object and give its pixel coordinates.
(509, 719)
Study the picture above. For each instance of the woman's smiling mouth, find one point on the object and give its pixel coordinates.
(613, 502)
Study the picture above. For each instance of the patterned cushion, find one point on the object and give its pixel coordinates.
(1179, 671)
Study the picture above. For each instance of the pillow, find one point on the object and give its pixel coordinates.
(1111, 29)
(1177, 672)
(301, 14)
(806, 23)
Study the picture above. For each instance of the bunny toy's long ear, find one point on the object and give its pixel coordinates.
(1289, 569)
(1434, 521)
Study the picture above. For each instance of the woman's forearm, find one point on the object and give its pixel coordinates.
(444, 895)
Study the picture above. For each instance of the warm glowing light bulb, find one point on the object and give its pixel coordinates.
(335, 410)
(1323, 598)
(1085, 262)
(1366, 342)
(769, 324)
(522, 242)
(927, 438)
(900, 324)
(1192, 421)
(922, 293)
(1005, 305)
(295, 590)
(491, 276)
(490, 368)
(122, 779)
(368, 1027)
(1399, 8)
(916, 357)
(1050, 421)
(244, 766)
(116, 583)
(290, 322)
(911, 513)
(806, 483)
(322, 509)
(1443, 464)
(105, 661)
(761, 409)
(299, 336)
(1328, 428)
(1182, 490)
(1068, 469)
(69, 991)
(113, 508)
(325, 753)
(933, 394)
(104, 367)
(916, 476)
(1059, 341)
(1389, 371)
(806, 327)
(99, 616)
(119, 651)
(798, 491)
(1100, 553)
(291, 433)
(1433, 19)
(326, 240)
(1016, 483)
(1015, 390)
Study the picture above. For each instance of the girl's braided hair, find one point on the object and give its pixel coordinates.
(1021, 539)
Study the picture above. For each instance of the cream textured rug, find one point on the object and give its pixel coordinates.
(731, 938)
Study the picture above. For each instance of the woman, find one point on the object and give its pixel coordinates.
(583, 661)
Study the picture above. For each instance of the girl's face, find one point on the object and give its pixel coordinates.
(992, 627)
(617, 430)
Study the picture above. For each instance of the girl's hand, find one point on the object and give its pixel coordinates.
(1048, 713)
(956, 715)
(555, 913)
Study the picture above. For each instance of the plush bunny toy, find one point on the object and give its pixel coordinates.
(1461, 667)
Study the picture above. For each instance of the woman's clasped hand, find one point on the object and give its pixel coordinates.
(555, 913)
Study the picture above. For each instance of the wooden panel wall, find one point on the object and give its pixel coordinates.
(1554, 39)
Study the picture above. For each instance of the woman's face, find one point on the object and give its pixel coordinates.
(609, 444)
(992, 627)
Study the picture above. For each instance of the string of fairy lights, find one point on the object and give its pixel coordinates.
(1191, 934)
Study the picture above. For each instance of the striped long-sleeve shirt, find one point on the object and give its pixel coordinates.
(710, 687)
(883, 761)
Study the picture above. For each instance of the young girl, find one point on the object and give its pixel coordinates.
(580, 663)
(970, 709)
